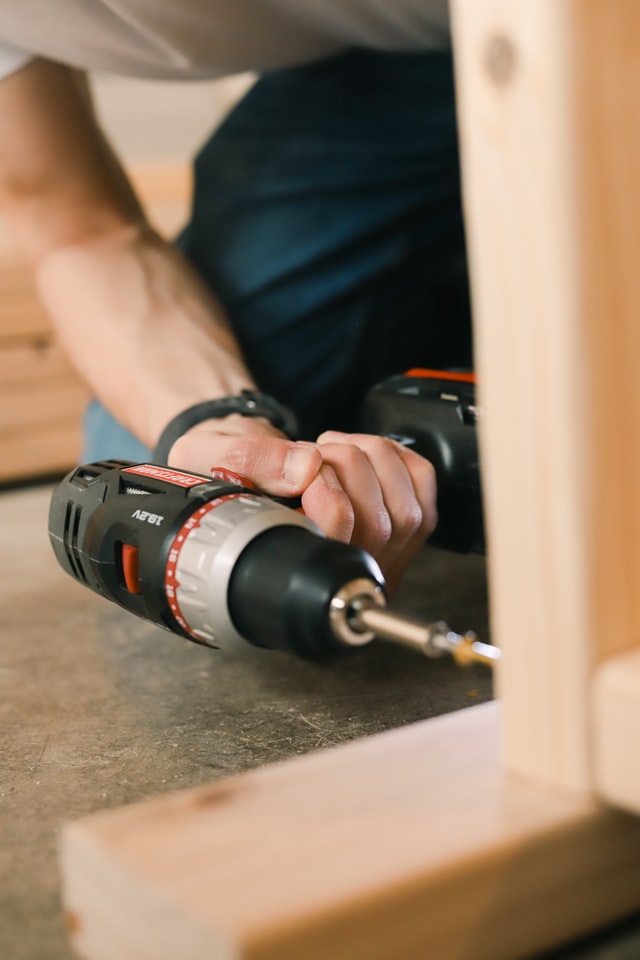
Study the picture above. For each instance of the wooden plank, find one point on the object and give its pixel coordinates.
(7, 243)
(607, 163)
(414, 843)
(39, 403)
(550, 128)
(45, 449)
(32, 359)
(15, 279)
(617, 731)
(22, 316)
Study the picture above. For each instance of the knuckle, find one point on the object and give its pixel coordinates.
(338, 448)
(380, 529)
(410, 517)
(326, 502)
(330, 436)
(421, 468)
(379, 445)
(339, 518)
(420, 514)
(429, 472)
(423, 475)
(375, 447)
(348, 454)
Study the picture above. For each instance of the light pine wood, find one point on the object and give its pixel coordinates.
(30, 360)
(21, 316)
(41, 398)
(414, 843)
(48, 450)
(616, 730)
(37, 404)
(550, 121)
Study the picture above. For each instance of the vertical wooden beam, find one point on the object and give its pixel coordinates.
(616, 731)
(550, 125)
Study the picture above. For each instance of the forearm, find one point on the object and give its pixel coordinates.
(137, 323)
(140, 327)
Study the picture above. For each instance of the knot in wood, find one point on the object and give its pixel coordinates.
(500, 58)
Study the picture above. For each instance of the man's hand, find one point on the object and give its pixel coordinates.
(361, 489)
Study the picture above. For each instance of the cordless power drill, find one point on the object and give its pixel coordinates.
(213, 560)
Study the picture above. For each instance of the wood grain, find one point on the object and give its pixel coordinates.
(616, 730)
(550, 125)
(414, 843)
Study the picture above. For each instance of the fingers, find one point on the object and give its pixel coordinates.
(280, 467)
(362, 489)
(371, 524)
(326, 502)
(393, 493)
(423, 478)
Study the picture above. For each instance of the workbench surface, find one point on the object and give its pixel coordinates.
(98, 709)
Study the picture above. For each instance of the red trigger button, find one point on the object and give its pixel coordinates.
(130, 559)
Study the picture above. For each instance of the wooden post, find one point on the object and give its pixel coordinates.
(550, 120)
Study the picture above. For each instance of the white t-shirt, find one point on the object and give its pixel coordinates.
(197, 39)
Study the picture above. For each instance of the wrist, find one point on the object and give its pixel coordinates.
(248, 403)
(141, 329)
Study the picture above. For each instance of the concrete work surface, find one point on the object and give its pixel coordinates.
(99, 709)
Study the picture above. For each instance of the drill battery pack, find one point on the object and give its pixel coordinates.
(434, 412)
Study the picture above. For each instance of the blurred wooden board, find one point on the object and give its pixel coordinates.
(413, 843)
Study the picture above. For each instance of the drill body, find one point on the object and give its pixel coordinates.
(208, 558)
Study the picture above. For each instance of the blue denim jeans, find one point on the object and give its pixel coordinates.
(327, 218)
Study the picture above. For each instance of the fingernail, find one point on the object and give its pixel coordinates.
(301, 465)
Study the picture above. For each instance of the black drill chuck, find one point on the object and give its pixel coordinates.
(283, 585)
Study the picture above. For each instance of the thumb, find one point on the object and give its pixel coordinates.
(276, 466)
